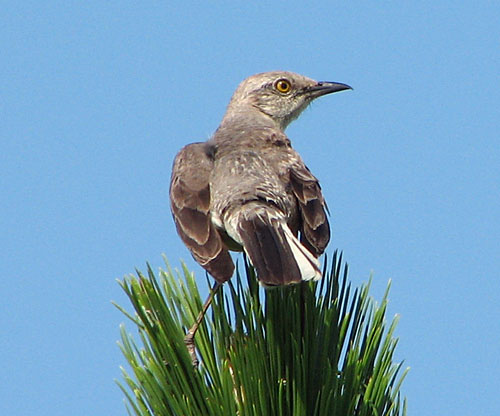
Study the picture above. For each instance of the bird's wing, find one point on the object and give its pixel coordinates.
(315, 230)
(190, 204)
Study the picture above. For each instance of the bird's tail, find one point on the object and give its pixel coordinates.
(277, 255)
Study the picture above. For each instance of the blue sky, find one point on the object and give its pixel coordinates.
(97, 97)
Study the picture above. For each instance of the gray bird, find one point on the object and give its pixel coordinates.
(247, 189)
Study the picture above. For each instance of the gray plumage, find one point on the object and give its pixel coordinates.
(247, 189)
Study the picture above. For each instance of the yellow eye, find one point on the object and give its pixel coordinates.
(283, 86)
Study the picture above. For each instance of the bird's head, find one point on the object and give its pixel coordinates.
(279, 95)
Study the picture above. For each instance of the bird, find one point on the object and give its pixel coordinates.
(246, 188)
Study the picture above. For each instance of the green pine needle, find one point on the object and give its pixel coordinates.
(311, 349)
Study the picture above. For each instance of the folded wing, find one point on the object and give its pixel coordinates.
(190, 204)
(315, 229)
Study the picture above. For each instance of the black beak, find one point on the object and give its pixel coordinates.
(323, 88)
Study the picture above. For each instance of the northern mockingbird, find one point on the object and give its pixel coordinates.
(246, 189)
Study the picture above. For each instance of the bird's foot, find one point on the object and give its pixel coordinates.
(189, 341)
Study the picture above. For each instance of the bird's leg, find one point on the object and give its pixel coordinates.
(189, 338)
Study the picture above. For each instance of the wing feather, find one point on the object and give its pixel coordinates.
(190, 204)
(315, 229)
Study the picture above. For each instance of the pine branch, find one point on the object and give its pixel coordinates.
(308, 349)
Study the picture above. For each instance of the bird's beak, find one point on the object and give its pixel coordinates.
(324, 87)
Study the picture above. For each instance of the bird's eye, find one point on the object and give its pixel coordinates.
(283, 86)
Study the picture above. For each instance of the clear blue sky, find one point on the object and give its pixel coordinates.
(97, 97)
